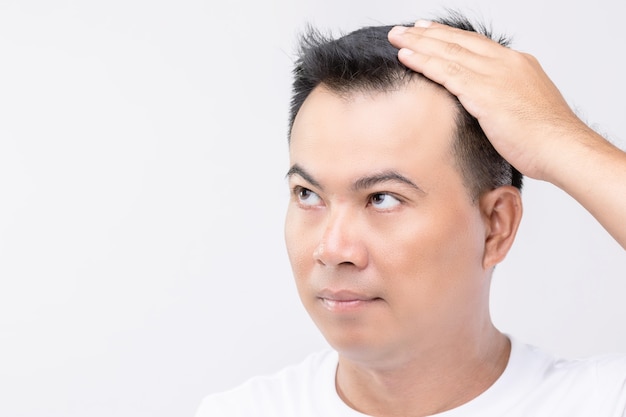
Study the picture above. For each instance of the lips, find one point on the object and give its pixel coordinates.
(345, 300)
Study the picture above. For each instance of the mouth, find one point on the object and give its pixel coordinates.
(345, 301)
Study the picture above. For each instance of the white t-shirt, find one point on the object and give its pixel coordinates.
(534, 384)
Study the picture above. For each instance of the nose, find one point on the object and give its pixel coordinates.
(341, 242)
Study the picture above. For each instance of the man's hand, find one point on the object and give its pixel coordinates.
(507, 91)
(523, 114)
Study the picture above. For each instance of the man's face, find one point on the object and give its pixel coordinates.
(383, 238)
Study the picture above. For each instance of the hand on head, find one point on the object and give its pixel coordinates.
(523, 115)
(506, 90)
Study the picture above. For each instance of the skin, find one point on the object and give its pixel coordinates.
(523, 114)
(392, 257)
(413, 253)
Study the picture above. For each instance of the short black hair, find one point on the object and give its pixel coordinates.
(364, 60)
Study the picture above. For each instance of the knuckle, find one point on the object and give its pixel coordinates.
(453, 49)
(528, 56)
(453, 68)
(531, 60)
(525, 59)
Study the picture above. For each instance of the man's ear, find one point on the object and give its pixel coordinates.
(502, 212)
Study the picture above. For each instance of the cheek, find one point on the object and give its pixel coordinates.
(300, 246)
(434, 271)
(436, 248)
(298, 240)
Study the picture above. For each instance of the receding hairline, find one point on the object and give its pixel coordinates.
(349, 92)
(419, 81)
(365, 61)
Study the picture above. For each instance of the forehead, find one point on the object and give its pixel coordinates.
(364, 130)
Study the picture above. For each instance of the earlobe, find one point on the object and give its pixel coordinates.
(502, 212)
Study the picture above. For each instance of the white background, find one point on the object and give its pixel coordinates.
(142, 194)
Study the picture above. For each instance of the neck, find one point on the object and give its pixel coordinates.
(438, 378)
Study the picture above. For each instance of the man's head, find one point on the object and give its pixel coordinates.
(365, 61)
(392, 255)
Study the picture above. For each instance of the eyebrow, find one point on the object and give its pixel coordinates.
(298, 170)
(382, 177)
(362, 183)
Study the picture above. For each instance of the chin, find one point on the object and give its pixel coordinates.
(358, 345)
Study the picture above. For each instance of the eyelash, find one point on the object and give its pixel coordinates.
(296, 190)
(400, 200)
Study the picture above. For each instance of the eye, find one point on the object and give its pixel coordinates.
(384, 201)
(306, 197)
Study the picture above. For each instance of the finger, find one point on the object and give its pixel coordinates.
(443, 50)
(453, 76)
(406, 37)
(472, 36)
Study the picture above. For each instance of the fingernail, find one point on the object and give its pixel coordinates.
(405, 52)
(398, 30)
(422, 24)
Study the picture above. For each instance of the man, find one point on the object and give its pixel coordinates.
(400, 211)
